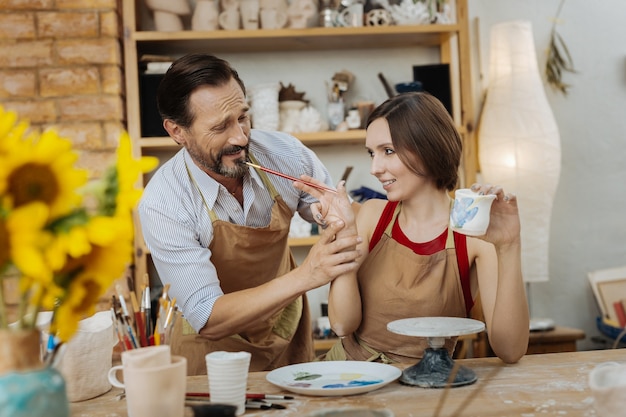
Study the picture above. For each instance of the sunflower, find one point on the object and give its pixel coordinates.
(128, 170)
(84, 279)
(66, 252)
(41, 169)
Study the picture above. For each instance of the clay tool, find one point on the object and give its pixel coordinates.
(280, 174)
(250, 396)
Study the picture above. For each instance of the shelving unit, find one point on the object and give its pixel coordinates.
(451, 39)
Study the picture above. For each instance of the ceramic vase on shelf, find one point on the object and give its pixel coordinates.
(27, 387)
(264, 106)
(289, 115)
(205, 15)
(167, 14)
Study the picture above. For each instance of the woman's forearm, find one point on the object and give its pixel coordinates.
(344, 305)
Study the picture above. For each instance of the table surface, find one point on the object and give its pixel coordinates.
(538, 385)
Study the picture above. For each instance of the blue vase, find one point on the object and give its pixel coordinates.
(33, 394)
(27, 388)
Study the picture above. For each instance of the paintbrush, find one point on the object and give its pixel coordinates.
(280, 174)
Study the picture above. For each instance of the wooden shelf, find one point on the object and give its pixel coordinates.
(451, 41)
(308, 39)
(314, 138)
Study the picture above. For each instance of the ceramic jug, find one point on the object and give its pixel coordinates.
(351, 16)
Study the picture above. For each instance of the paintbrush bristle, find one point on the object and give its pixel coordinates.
(252, 165)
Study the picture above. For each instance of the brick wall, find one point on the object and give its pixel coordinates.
(61, 67)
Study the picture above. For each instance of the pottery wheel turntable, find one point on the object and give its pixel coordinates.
(434, 369)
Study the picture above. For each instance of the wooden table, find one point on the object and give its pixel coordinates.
(538, 385)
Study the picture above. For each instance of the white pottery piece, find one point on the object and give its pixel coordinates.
(608, 385)
(290, 115)
(205, 15)
(407, 12)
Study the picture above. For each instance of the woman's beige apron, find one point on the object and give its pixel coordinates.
(397, 283)
(247, 257)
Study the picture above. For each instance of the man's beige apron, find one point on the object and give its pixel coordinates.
(397, 283)
(247, 257)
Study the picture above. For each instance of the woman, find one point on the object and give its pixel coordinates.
(414, 265)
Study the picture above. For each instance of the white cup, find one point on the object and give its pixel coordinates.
(351, 15)
(153, 390)
(470, 212)
(608, 385)
(229, 19)
(250, 14)
(273, 18)
(146, 357)
(228, 378)
(205, 15)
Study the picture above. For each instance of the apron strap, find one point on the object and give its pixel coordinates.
(264, 178)
(393, 219)
(375, 354)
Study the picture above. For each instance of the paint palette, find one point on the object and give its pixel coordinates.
(333, 378)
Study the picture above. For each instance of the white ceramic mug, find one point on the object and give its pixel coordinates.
(273, 18)
(228, 378)
(471, 211)
(155, 391)
(250, 14)
(147, 356)
(229, 19)
(608, 385)
(351, 15)
(205, 15)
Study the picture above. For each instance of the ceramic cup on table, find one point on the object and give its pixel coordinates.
(608, 385)
(147, 356)
(153, 389)
(470, 212)
(228, 378)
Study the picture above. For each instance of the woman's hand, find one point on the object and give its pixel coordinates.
(504, 223)
(331, 206)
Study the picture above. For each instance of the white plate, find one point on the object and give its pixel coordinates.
(436, 326)
(333, 378)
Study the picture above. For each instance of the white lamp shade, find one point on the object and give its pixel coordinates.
(519, 144)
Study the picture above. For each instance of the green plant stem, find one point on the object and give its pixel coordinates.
(21, 311)
(36, 308)
(558, 12)
(559, 58)
(3, 310)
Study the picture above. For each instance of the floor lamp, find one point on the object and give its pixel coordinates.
(519, 144)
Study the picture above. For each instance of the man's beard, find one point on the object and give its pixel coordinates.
(215, 164)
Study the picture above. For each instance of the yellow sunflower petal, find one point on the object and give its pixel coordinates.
(27, 237)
